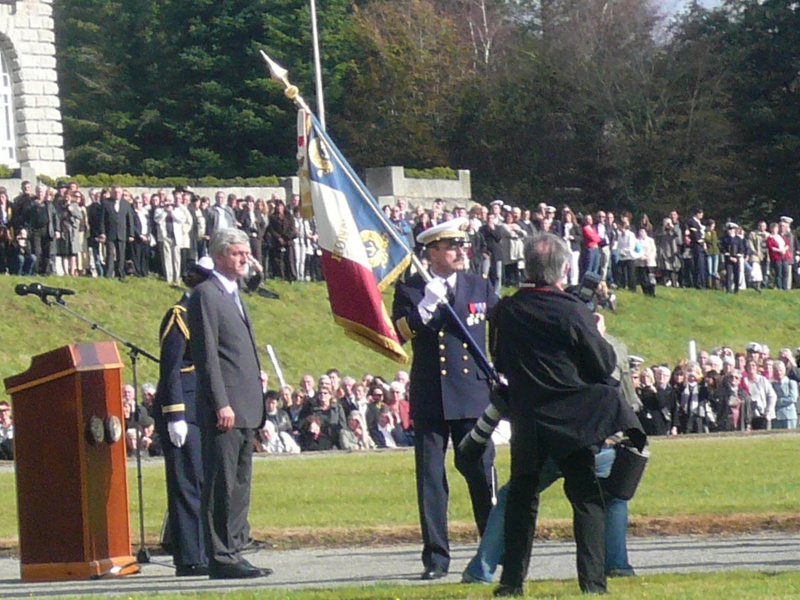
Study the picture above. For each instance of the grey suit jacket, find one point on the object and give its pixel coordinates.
(225, 356)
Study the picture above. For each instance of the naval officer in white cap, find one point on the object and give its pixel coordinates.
(448, 391)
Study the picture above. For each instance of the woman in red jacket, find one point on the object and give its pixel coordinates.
(591, 246)
(779, 256)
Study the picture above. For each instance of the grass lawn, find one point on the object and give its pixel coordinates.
(342, 498)
(338, 498)
(731, 586)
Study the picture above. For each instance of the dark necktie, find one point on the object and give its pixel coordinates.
(451, 295)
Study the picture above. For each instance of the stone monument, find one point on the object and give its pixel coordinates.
(31, 135)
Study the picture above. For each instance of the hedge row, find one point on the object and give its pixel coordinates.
(127, 180)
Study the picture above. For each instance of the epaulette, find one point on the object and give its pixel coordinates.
(176, 319)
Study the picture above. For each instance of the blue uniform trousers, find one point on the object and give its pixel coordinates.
(430, 447)
(184, 469)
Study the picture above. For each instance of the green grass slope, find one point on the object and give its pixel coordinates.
(300, 327)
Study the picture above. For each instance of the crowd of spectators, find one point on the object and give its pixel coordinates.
(111, 233)
(721, 390)
(329, 413)
(627, 255)
(337, 413)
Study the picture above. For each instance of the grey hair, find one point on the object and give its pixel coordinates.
(545, 256)
(224, 238)
(148, 388)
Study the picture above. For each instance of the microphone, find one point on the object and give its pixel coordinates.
(42, 291)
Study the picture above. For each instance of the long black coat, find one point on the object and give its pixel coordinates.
(561, 393)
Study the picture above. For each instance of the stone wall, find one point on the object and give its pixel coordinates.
(389, 183)
(28, 44)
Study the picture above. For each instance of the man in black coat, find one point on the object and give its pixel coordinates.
(41, 221)
(697, 238)
(116, 231)
(175, 413)
(493, 247)
(21, 204)
(562, 402)
(448, 391)
(230, 405)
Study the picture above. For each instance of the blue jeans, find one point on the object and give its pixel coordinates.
(611, 276)
(95, 257)
(712, 261)
(25, 265)
(780, 274)
(593, 260)
(490, 550)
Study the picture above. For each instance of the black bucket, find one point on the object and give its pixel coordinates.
(627, 471)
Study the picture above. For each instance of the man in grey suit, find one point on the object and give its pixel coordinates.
(229, 404)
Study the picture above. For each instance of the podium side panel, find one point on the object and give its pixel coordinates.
(106, 467)
(47, 449)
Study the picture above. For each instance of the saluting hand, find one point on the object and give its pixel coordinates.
(225, 417)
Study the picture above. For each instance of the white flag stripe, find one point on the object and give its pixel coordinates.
(337, 229)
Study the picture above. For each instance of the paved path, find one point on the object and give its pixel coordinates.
(367, 566)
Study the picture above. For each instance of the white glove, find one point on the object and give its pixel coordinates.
(177, 432)
(435, 294)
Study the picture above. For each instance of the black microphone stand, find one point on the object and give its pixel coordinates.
(143, 555)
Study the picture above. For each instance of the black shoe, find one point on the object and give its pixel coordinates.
(506, 591)
(266, 571)
(433, 573)
(191, 571)
(237, 571)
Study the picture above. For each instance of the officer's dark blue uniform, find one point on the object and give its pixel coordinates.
(448, 393)
(175, 401)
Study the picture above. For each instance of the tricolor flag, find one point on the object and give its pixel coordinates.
(360, 255)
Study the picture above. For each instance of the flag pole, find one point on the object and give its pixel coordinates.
(317, 64)
(281, 75)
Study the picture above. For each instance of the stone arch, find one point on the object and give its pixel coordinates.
(27, 41)
(9, 127)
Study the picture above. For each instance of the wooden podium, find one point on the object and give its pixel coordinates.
(69, 449)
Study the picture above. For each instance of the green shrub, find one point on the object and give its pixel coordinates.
(434, 173)
(128, 180)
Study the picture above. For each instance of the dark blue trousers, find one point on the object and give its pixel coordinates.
(430, 448)
(184, 468)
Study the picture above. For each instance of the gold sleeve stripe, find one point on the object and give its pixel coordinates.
(404, 329)
(188, 369)
(173, 408)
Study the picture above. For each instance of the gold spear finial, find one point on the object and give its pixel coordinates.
(281, 75)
